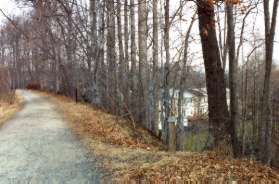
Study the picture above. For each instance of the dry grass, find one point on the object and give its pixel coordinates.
(9, 105)
(132, 154)
(89, 122)
(202, 168)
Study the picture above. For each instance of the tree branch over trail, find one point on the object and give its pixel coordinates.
(14, 24)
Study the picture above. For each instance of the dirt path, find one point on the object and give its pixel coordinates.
(37, 147)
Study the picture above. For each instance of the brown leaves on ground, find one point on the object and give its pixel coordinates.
(131, 154)
(9, 104)
(94, 123)
(204, 168)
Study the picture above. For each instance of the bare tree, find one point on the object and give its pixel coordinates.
(215, 80)
(180, 124)
(112, 82)
(133, 71)
(155, 78)
(143, 65)
(122, 63)
(233, 74)
(266, 117)
(166, 95)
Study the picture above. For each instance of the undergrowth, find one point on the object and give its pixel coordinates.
(10, 103)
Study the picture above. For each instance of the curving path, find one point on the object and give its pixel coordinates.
(36, 147)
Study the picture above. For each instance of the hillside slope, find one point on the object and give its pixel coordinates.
(130, 153)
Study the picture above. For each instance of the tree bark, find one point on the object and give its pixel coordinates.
(166, 95)
(102, 76)
(215, 80)
(122, 63)
(111, 55)
(133, 72)
(233, 74)
(126, 51)
(143, 65)
(93, 31)
(270, 26)
(156, 79)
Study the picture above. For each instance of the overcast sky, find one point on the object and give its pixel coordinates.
(10, 8)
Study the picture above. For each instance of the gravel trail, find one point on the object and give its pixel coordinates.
(37, 147)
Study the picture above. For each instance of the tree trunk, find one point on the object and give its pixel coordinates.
(111, 55)
(172, 137)
(143, 66)
(156, 79)
(270, 26)
(233, 74)
(133, 72)
(215, 80)
(180, 124)
(70, 51)
(166, 95)
(126, 52)
(121, 56)
(102, 75)
(93, 31)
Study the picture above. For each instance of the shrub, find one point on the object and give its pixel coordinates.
(8, 97)
(6, 94)
(33, 86)
(5, 84)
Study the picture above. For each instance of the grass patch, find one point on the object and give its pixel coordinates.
(196, 141)
(9, 105)
(130, 154)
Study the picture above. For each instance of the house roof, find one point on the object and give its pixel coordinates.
(198, 92)
(194, 92)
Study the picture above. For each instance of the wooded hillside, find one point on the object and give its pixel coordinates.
(125, 56)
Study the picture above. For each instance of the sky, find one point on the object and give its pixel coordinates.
(11, 8)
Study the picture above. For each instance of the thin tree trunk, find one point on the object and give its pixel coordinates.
(270, 26)
(166, 95)
(180, 124)
(143, 66)
(156, 79)
(102, 76)
(111, 55)
(233, 74)
(126, 51)
(133, 72)
(93, 31)
(121, 56)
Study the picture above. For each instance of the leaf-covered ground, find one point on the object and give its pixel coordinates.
(9, 105)
(131, 154)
